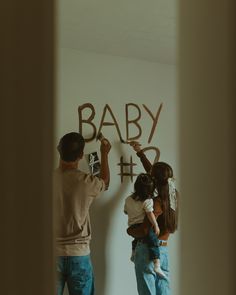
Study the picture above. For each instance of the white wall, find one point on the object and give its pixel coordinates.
(116, 81)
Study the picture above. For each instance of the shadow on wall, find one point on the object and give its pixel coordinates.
(101, 219)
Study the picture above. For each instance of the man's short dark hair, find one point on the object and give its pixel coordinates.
(71, 146)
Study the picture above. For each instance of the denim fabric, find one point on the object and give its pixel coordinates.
(134, 244)
(153, 244)
(148, 282)
(77, 272)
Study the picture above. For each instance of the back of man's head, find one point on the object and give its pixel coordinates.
(71, 147)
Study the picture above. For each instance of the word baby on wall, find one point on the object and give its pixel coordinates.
(87, 114)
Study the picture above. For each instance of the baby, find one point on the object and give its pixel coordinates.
(139, 204)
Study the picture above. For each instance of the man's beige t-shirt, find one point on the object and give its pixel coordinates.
(74, 192)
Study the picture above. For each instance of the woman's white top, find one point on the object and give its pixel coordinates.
(136, 210)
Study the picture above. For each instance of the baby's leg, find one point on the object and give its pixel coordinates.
(134, 244)
(154, 253)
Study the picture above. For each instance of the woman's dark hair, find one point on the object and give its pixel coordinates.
(71, 146)
(168, 220)
(144, 187)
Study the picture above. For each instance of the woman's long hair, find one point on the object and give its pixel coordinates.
(168, 220)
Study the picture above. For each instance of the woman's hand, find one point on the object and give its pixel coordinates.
(135, 145)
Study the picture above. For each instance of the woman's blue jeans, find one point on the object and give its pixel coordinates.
(77, 272)
(153, 245)
(148, 282)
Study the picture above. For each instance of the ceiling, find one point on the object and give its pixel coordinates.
(142, 29)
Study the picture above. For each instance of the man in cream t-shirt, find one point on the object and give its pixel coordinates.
(74, 192)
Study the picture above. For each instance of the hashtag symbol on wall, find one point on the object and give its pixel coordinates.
(123, 171)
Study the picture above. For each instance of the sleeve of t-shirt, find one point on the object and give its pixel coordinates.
(148, 205)
(125, 207)
(95, 185)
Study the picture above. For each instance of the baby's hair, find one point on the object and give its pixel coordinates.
(144, 187)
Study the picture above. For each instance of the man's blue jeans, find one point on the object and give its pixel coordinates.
(148, 282)
(77, 272)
